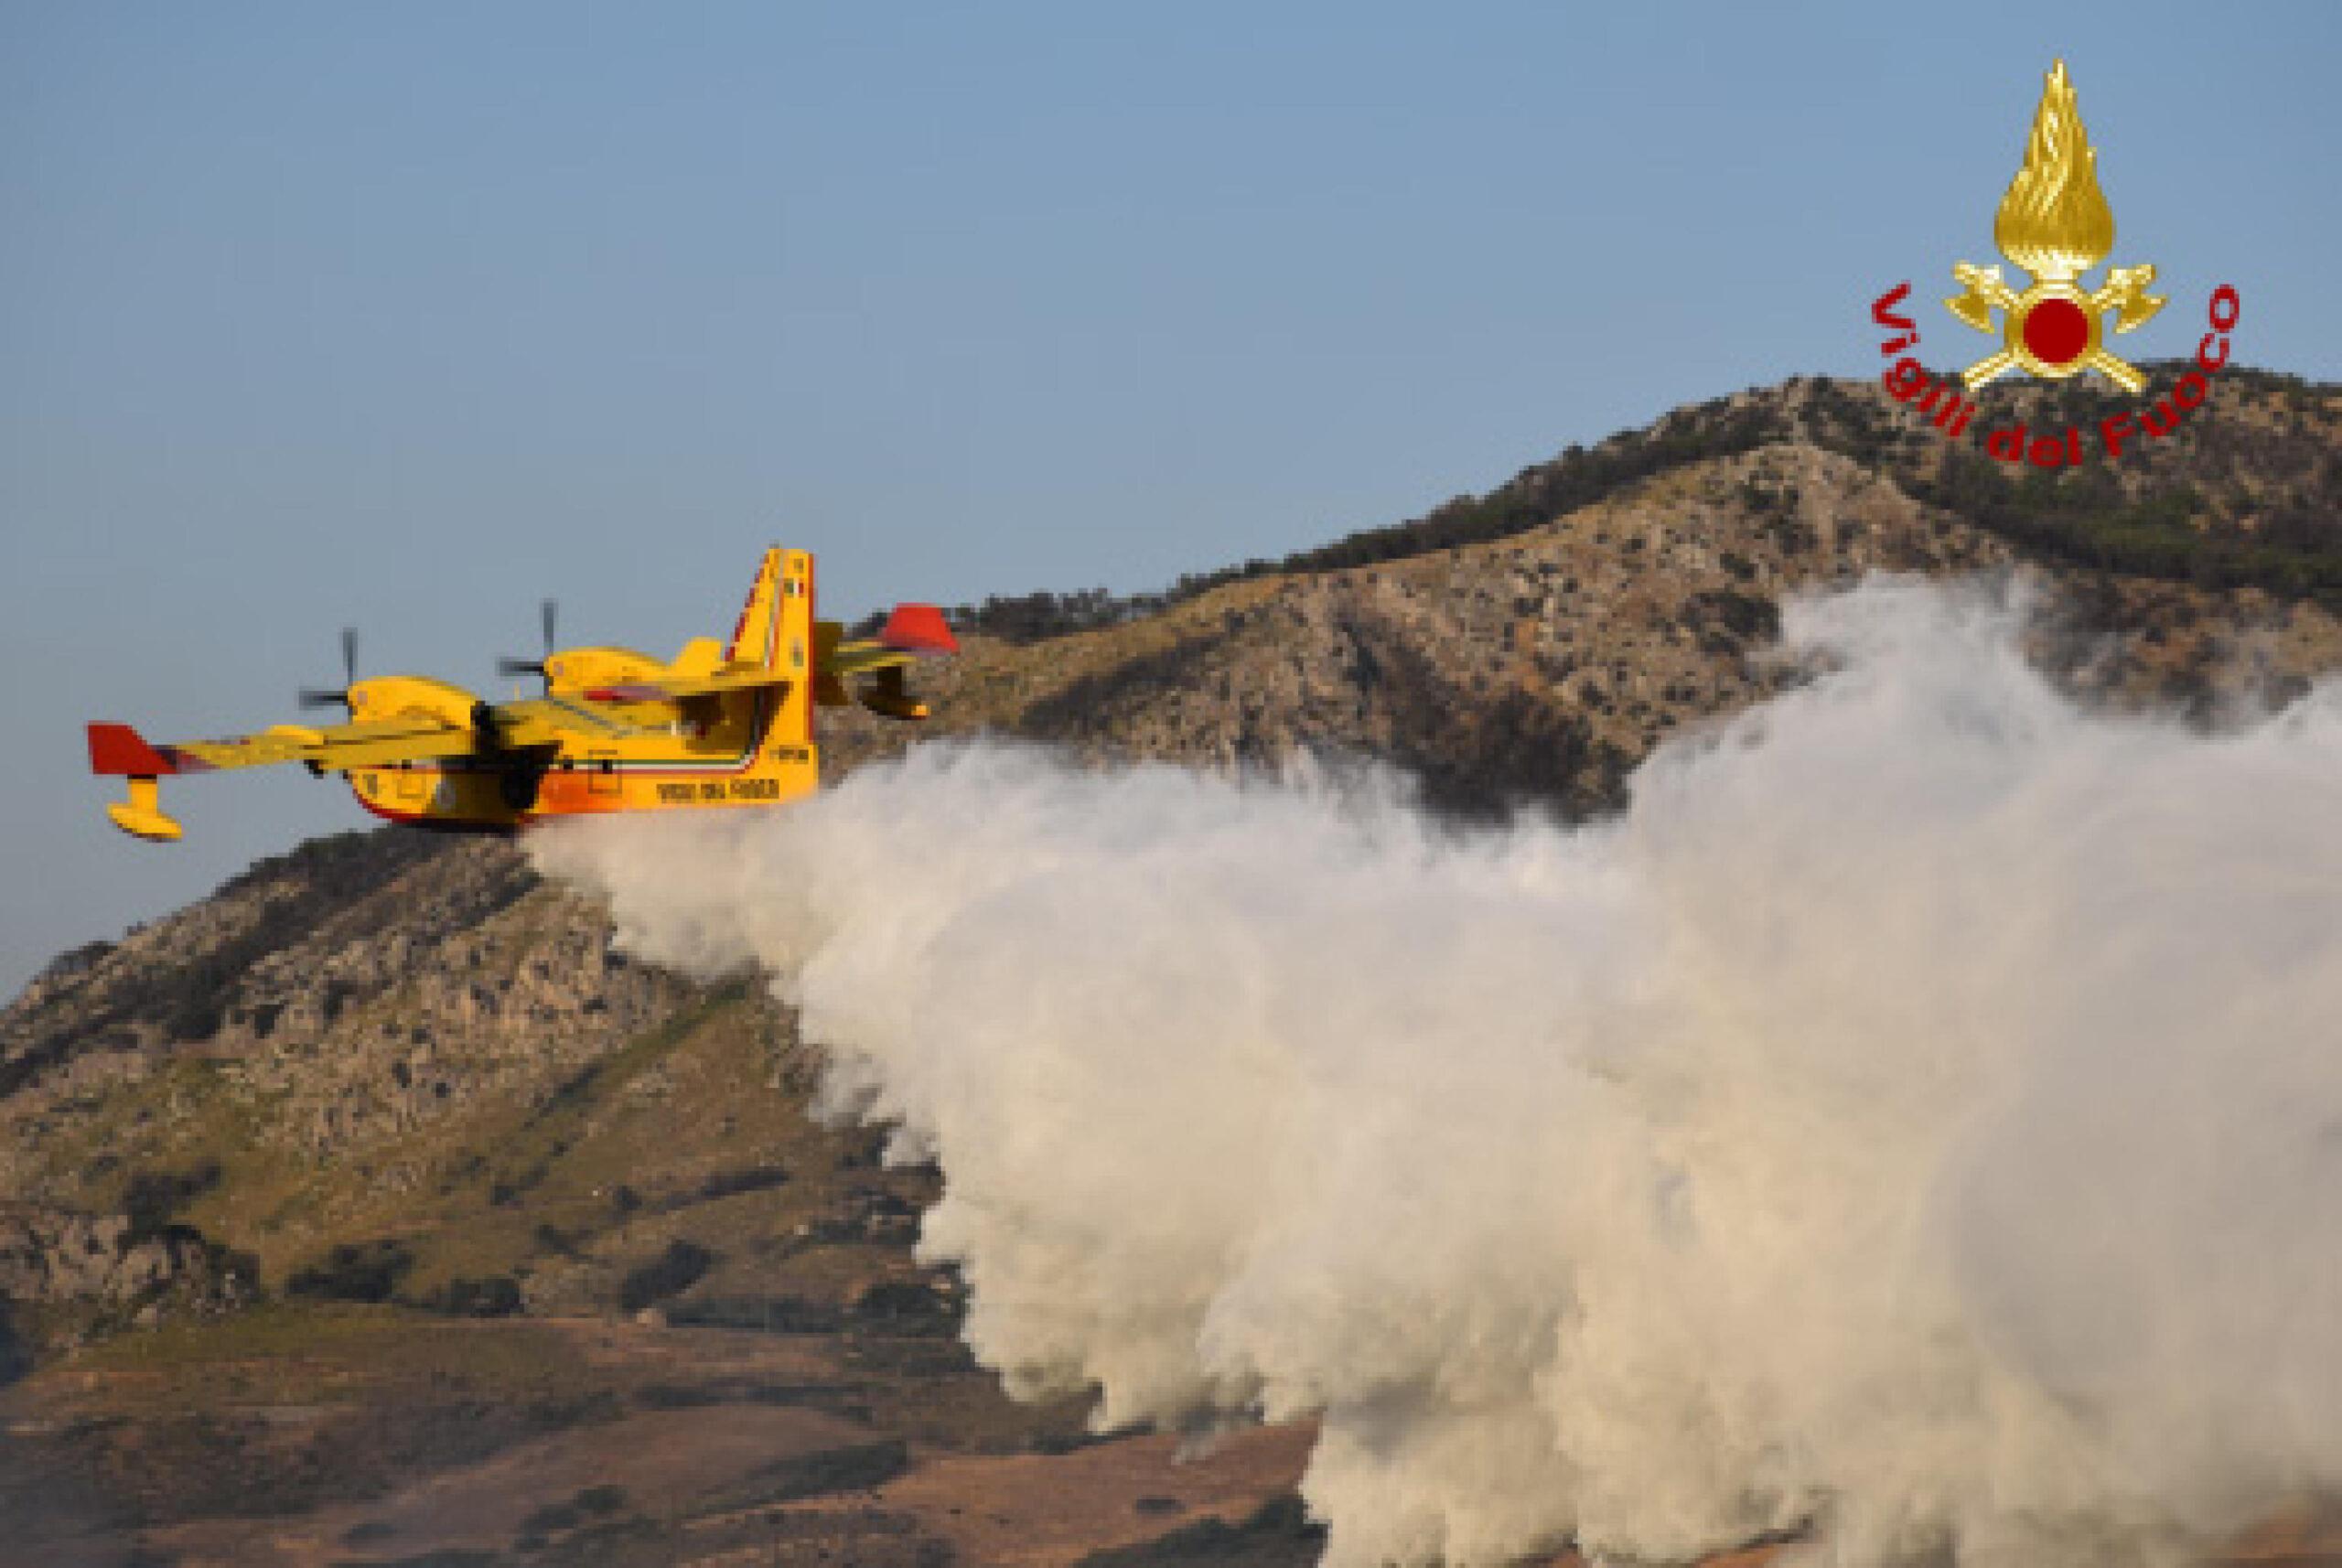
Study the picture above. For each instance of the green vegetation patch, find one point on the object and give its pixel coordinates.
(291, 1353)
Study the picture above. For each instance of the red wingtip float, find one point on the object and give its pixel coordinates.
(719, 725)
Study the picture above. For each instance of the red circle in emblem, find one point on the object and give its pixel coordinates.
(2056, 331)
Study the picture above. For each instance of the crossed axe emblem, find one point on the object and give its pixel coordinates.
(2052, 328)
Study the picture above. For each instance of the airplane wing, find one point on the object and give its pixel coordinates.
(117, 748)
(676, 688)
(913, 632)
(863, 658)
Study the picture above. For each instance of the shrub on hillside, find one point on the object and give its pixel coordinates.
(354, 1270)
(671, 1272)
(493, 1296)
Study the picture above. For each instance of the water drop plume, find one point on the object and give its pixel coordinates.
(1914, 1123)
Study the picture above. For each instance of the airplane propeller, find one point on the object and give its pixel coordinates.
(515, 668)
(327, 697)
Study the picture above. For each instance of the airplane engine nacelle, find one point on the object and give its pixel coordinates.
(410, 696)
(583, 669)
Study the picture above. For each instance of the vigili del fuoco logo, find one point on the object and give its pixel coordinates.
(2054, 223)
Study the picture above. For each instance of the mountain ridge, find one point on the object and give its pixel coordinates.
(2287, 424)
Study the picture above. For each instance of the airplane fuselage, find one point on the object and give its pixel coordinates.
(660, 760)
(737, 748)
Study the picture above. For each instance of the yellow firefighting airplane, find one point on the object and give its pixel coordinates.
(615, 730)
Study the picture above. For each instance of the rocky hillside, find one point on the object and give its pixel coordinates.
(2247, 496)
(1534, 643)
(376, 1210)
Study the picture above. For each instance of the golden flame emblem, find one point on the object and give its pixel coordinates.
(2055, 223)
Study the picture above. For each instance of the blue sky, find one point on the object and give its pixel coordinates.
(409, 315)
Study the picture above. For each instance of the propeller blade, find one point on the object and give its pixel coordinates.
(337, 697)
(548, 612)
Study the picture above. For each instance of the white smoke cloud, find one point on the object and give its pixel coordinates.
(1918, 1117)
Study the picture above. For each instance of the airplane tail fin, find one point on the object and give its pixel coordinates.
(776, 632)
(756, 635)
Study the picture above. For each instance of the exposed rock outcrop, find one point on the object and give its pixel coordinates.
(51, 1258)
